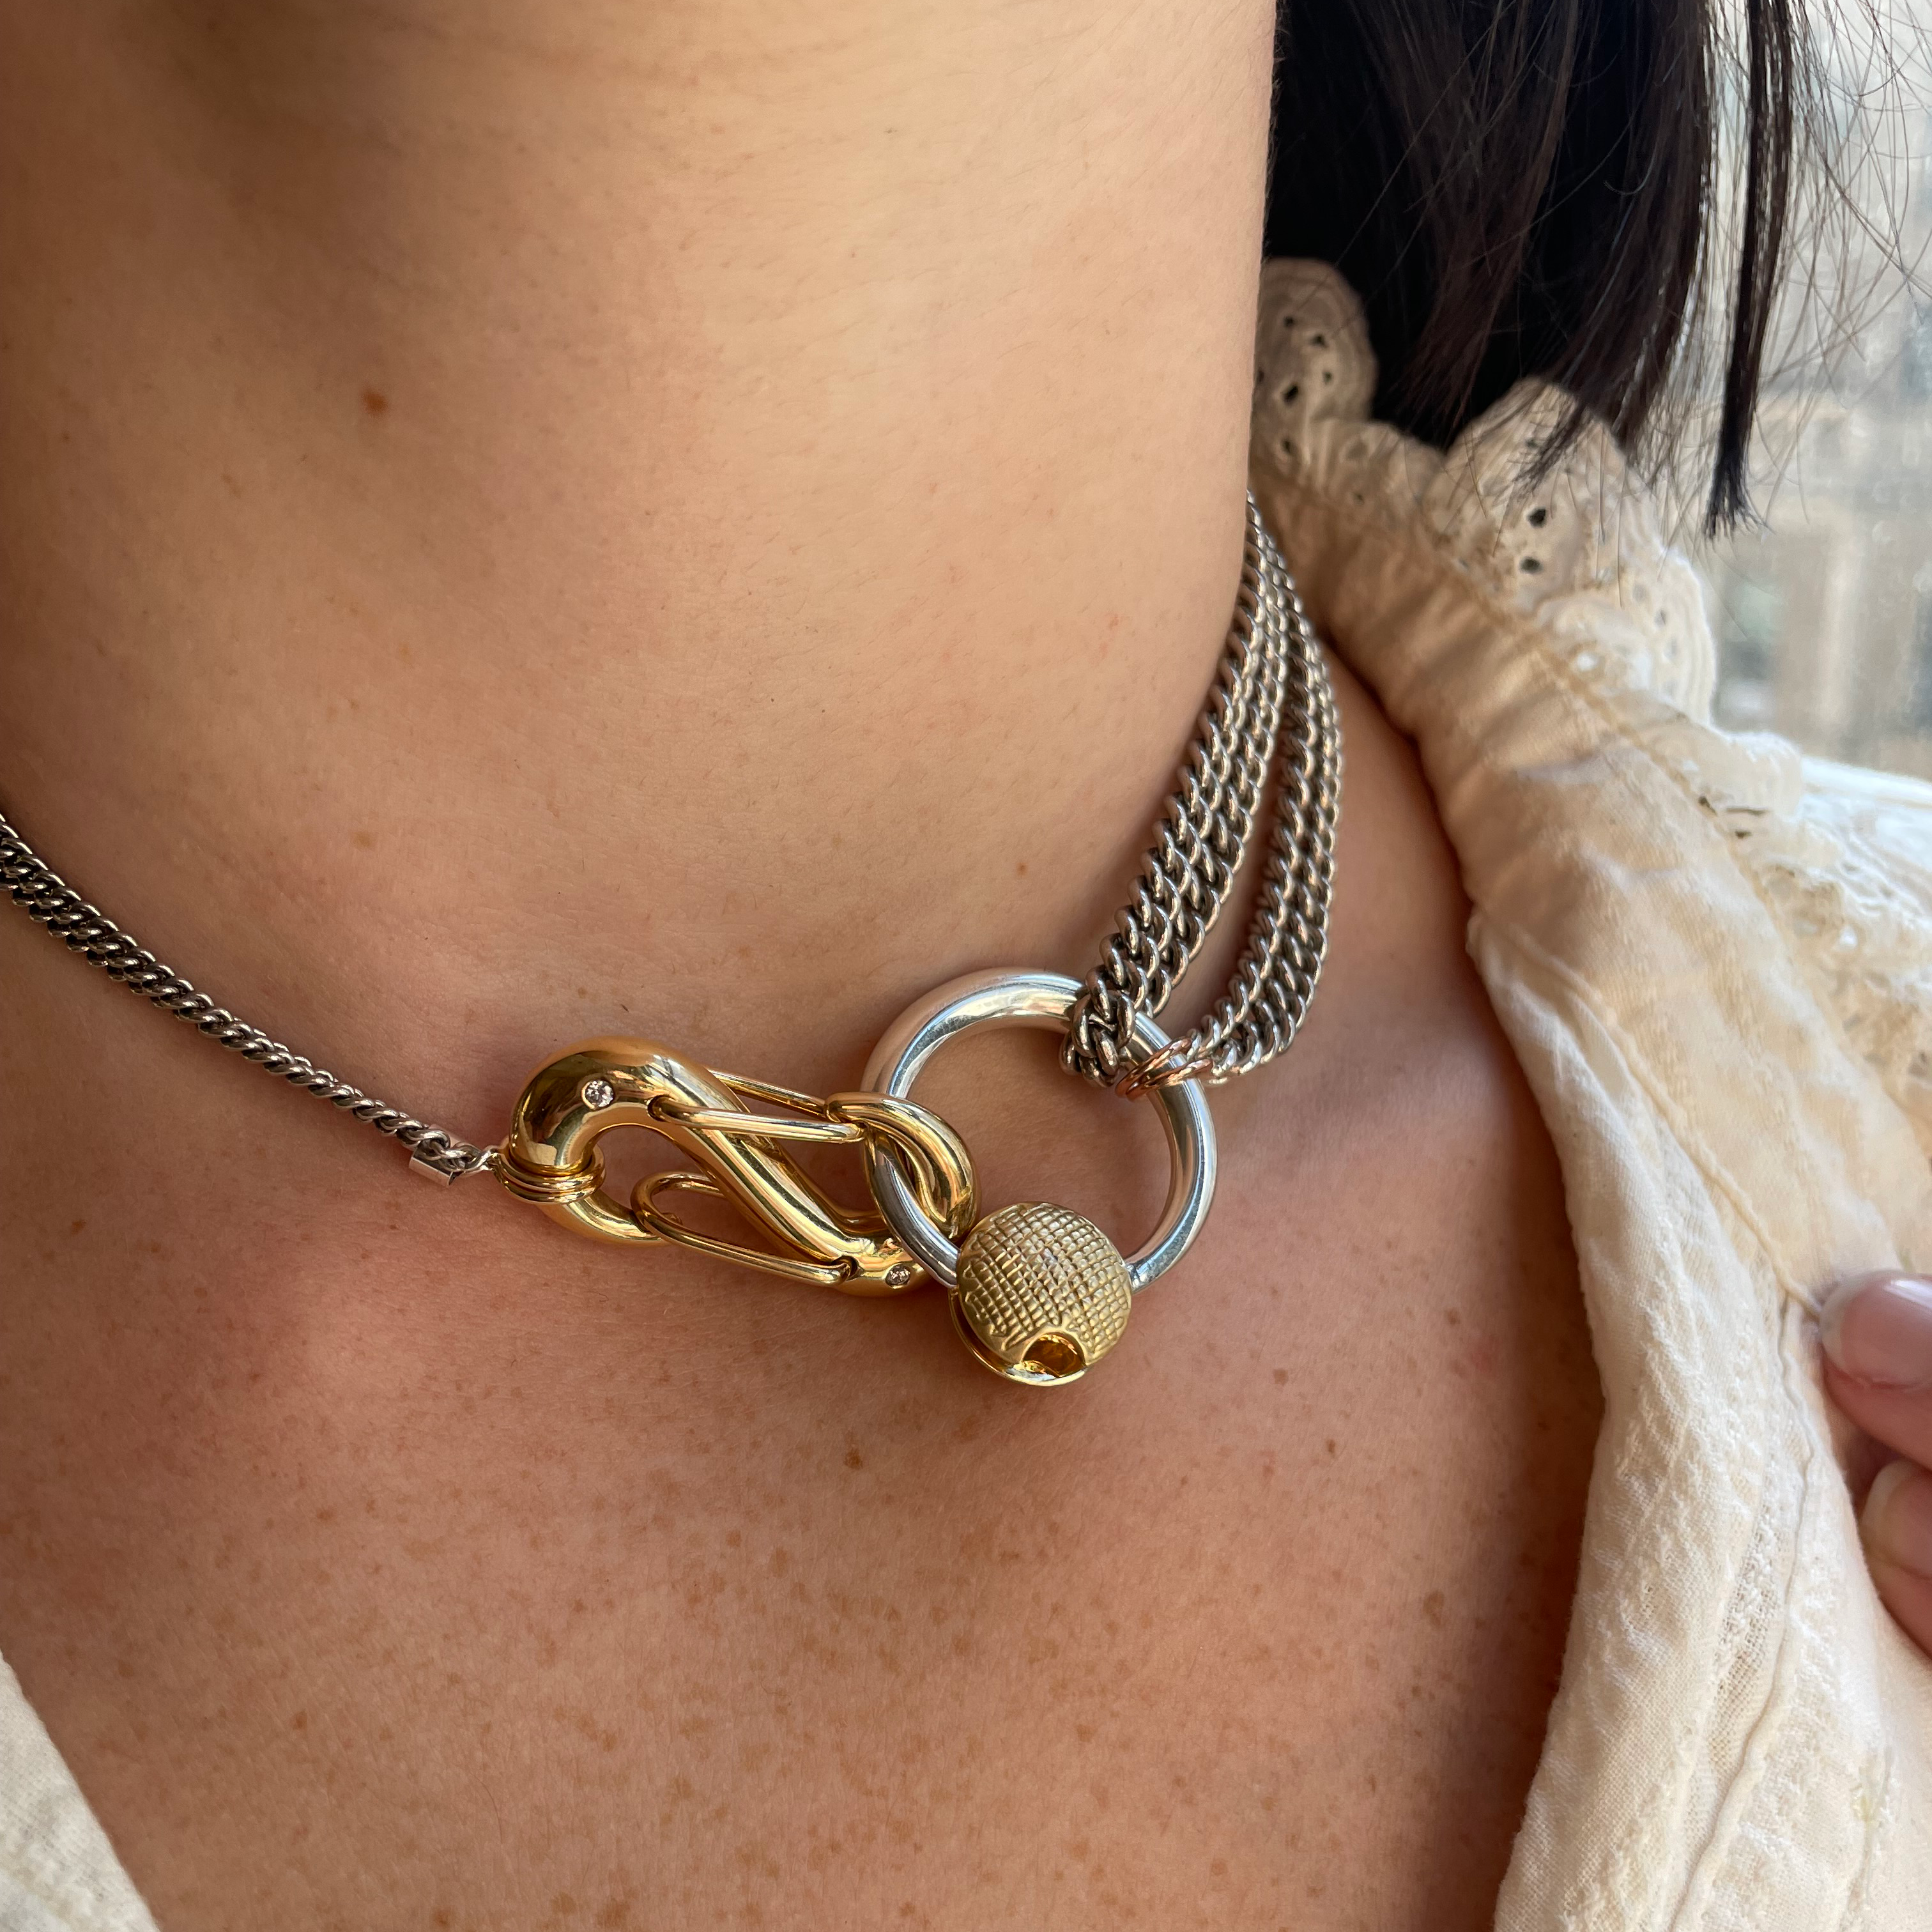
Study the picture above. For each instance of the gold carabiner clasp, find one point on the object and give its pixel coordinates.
(550, 1157)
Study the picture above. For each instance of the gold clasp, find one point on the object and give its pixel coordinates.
(551, 1157)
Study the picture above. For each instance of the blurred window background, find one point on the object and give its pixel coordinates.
(1823, 614)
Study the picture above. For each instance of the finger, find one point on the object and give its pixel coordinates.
(1896, 1527)
(1877, 1334)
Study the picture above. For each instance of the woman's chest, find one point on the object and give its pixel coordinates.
(795, 1624)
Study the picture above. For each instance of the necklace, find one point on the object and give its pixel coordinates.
(1037, 1294)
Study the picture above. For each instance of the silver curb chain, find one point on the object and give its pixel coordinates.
(1271, 674)
(45, 896)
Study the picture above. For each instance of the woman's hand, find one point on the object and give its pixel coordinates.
(1877, 1332)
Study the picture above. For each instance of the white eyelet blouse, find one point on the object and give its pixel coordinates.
(1715, 962)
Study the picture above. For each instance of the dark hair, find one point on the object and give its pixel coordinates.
(1524, 187)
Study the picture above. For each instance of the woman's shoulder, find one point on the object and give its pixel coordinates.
(1714, 962)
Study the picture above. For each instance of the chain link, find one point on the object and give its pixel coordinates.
(43, 895)
(1271, 675)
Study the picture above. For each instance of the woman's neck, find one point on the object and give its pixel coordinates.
(519, 520)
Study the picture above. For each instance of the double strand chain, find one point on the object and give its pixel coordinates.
(1271, 674)
(1037, 1294)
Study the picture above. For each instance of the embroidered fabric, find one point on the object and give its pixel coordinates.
(57, 1872)
(1580, 551)
(1579, 548)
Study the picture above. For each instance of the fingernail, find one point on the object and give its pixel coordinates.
(1879, 1329)
(1896, 1523)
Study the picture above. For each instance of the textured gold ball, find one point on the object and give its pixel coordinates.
(1042, 1294)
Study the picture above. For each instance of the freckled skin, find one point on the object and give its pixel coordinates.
(502, 1581)
(782, 574)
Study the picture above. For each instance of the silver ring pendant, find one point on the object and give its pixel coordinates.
(1043, 1000)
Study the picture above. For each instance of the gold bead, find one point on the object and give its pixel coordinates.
(1042, 1294)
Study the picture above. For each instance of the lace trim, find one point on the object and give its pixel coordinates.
(1856, 904)
(1581, 550)
(1581, 553)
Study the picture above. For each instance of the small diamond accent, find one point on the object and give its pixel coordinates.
(898, 1275)
(597, 1094)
